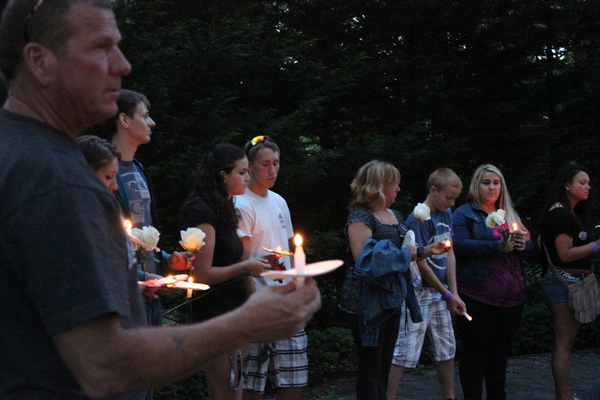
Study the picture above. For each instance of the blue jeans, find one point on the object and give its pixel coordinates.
(553, 291)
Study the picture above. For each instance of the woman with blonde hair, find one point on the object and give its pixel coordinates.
(377, 269)
(490, 281)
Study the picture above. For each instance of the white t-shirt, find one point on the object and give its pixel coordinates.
(267, 221)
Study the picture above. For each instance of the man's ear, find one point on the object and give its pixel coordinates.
(40, 61)
(124, 120)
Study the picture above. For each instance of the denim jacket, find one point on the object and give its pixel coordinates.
(475, 244)
(383, 272)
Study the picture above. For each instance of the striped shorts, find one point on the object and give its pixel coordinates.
(437, 322)
(286, 359)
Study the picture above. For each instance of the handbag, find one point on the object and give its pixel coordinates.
(584, 296)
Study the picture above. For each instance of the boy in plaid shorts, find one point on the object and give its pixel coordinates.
(265, 222)
(438, 297)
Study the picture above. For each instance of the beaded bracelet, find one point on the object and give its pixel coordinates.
(594, 247)
(446, 295)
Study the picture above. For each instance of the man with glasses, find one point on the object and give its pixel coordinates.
(265, 222)
(71, 308)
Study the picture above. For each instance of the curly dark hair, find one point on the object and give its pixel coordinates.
(210, 186)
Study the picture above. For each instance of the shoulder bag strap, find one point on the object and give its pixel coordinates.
(554, 270)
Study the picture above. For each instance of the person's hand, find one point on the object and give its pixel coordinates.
(413, 252)
(455, 305)
(181, 261)
(507, 247)
(519, 244)
(148, 293)
(438, 247)
(256, 266)
(278, 312)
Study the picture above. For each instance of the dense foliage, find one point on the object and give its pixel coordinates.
(421, 84)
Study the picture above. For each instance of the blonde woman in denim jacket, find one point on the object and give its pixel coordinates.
(490, 281)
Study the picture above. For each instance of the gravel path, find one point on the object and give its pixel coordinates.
(528, 378)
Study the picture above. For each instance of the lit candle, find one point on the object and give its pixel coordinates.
(447, 243)
(128, 226)
(278, 252)
(467, 316)
(515, 226)
(299, 259)
(189, 291)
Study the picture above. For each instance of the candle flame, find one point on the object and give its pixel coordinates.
(191, 280)
(170, 280)
(278, 252)
(128, 225)
(515, 226)
(467, 316)
(447, 243)
(298, 240)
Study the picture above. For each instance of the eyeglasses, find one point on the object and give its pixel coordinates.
(256, 140)
(29, 17)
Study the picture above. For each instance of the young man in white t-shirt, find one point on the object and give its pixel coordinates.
(266, 222)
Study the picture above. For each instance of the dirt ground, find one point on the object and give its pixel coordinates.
(528, 378)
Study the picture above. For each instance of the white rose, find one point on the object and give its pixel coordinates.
(151, 236)
(495, 218)
(192, 239)
(138, 234)
(421, 212)
(502, 214)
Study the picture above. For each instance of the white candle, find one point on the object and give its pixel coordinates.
(299, 260)
(189, 291)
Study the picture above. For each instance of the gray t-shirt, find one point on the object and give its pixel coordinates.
(65, 258)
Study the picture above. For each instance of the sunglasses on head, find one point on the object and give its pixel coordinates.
(258, 139)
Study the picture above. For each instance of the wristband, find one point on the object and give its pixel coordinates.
(594, 247)
(446, 295)
(420, 251)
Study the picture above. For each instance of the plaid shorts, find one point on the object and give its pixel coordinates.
(437, 322)
(287, 360)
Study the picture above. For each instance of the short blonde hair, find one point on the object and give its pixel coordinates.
(443, 177)
(370, 182)
(504, 202)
